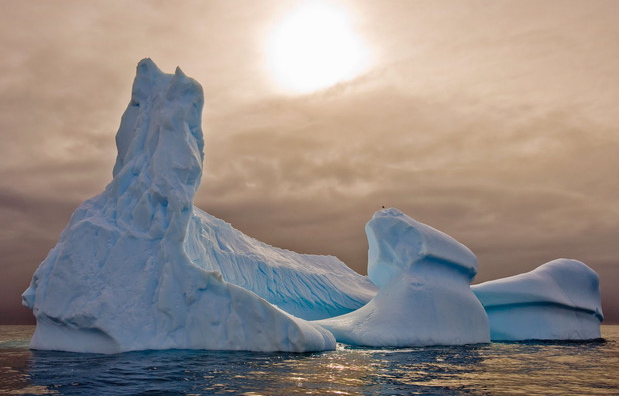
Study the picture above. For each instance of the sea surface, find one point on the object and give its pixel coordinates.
(532, 368)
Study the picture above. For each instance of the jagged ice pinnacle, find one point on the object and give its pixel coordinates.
(120, 278)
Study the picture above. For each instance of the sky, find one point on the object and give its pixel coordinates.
(492, 121)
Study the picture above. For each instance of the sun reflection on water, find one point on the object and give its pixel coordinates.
(492, 369)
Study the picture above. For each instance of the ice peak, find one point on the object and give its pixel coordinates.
(393, 212)
(178, 72)
(160, 152)
(160, 104)
(147, 67)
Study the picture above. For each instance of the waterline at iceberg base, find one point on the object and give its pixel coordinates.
(139, 267)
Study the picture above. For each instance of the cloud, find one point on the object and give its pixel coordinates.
(495, 125)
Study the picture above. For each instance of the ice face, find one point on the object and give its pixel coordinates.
(424, 296)
(120, 278)
(307, 286)
(559, 300)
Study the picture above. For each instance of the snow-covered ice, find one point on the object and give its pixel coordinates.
(125, 274)
(559, 300)
(424, 296)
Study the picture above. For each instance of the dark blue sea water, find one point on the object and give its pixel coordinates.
(557, 368)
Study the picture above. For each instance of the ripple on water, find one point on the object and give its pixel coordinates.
(492, 369)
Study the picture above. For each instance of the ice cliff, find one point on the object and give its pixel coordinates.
(424, 296)
(559, 300)
(308, 286)
(126, 273)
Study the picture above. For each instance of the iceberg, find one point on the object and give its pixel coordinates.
(424, 297)
(126, 275)
(559, 300)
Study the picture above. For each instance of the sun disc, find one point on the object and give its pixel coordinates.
(314, 47)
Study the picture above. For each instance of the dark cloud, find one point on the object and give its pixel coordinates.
(32, 225)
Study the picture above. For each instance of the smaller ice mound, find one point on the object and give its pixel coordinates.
(559, 300)
(424, 296)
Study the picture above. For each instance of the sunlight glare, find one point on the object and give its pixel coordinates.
(314, 47)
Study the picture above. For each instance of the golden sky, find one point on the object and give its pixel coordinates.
(493, 121)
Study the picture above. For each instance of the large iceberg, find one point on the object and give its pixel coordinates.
(139, 267)
(559, 300)
(424, 296)
(125, 274)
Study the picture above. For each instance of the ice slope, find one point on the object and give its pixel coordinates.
(559, 300)
(308, 286)
(424, 296)
(120, 278)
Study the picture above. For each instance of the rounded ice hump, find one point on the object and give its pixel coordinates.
(559, 300)
(424, 296)
(398, 242)
(119, 278)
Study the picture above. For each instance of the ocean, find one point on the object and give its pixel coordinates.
(531, 368)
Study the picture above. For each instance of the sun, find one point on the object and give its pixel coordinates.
(314, 47)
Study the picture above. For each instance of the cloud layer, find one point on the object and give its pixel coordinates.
(495, 123)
